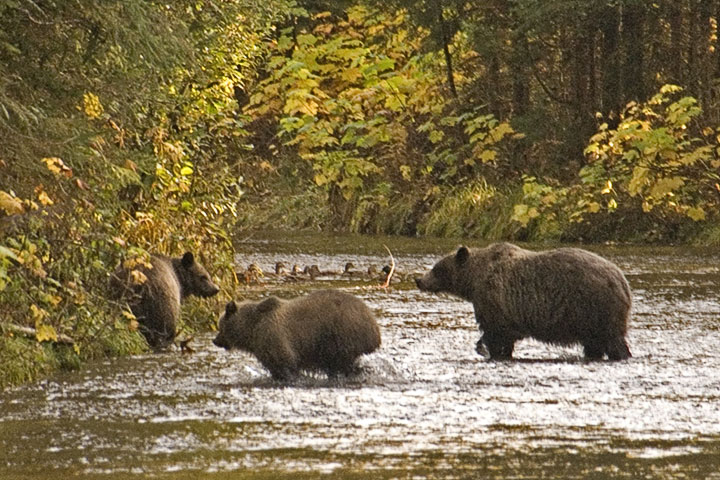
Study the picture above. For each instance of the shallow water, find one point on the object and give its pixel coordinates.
(424, 406)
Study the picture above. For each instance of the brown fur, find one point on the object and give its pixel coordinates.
(326, 330)
(562, 296)
(156, 302)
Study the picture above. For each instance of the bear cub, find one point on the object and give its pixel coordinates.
(562, 296)
(155, 302)
(326, 330)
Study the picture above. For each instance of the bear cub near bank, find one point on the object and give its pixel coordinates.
(563, 296)
(326, 330)
(156, 301)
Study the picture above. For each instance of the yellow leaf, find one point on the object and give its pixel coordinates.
(38, 314)
(44, 333)
(92, 106)
(137, 277)
(43, 197)
(487, 156)
(608, 188)
(593, 207)
(436, 135)
(10, 204)
(76, 347)
(666, 186)
(696, 213)
(57, 166)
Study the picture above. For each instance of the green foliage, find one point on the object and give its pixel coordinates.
(477, 210)
(121, 127)
(342, 95)
(542, 209)
(367, 114)
(653, 162)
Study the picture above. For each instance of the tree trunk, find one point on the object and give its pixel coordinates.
(520, 77)
(611, 96)
(676, 61)
(633, 37)
(444, 36)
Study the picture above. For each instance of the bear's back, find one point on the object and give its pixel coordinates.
(328, 329)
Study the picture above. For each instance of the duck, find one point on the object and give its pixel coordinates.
(397, 276)
(348, 271)
(252, 274)
(280, 269)
(312, 271)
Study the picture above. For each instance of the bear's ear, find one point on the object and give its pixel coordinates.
(462, 255)
(269, 304)
(230, 308)
(187, 260)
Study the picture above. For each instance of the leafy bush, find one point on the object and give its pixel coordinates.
(654, 162)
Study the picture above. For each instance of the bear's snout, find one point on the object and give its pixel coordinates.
(426, 284)
(210, 290)
(219, 343)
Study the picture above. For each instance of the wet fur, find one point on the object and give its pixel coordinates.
(326, 330)
(563, 296)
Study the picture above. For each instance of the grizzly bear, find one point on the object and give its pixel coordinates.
(326, 330)
(563, 296)
(155, 301)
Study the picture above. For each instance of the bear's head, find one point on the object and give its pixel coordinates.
(194, 279)
(447, 274)
(237, 325)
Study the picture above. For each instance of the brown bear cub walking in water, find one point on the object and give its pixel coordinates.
(155, 302)
(326, 330)
(563, 296)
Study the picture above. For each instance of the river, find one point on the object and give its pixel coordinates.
(423, 406)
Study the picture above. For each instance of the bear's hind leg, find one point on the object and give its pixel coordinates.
(593, 349)
(617, 349)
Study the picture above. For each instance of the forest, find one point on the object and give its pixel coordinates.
(137, 126)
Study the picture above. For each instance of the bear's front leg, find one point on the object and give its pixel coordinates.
(498, 345)
(480, 347)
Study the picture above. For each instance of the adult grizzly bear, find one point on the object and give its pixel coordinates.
(326, 330)
(563, 296)
(154, 294)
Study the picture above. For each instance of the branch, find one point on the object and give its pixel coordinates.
(32, 333)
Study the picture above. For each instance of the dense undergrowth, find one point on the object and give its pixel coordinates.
(135, 127)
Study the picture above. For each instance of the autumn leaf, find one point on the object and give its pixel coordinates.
(57, 166)
(92, 106)
(45, 333)
(10, 204)
(608, 188)
(38, 314)
(137, 277)
(42, 196)
(696, 213)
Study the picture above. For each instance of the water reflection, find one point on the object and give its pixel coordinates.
(425, 405)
